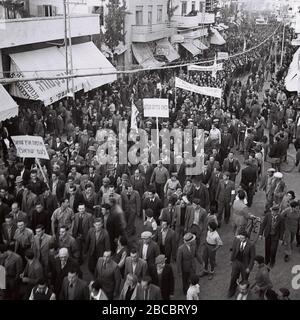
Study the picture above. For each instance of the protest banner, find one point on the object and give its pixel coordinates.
(30, 147)
(206, 91)
(211, 68)
(158, 108)
(223, 56)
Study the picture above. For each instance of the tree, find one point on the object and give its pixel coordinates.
(114, 21)
(171, 10)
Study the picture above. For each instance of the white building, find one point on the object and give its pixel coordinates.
(148, 30)
(32, 44)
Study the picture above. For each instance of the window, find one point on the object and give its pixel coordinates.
(99, 10)
(202, 6)
(159, 13)
(46, 11)
(183, 7)
(193, 5)
(149, 15)
(139, 15)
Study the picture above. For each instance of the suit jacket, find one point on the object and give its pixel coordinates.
(152, 252)
(14, 265)
(58, 274)
(78, 198)
(124, 291)
(91, 241)
(28, 202)
(41, 251)
(140, 269)
(87, 224)
(170, 244)
(266, 226)
(146, 174)
(167, 214)
(156, 206)
(97, 180)
(139, 184)
(50, 203)
(167, 281)
(190, 214)
(70, 243)
(202, 194)
(236, 165)
(186, 259)
(225, 193)
(33, 271)
(81, 290)
(110, 277)
(248, 253)
(213, 185)
(5, 236)
(60, 189)
(249, 177)
(205, 177)
(153, 293)
(132, 205)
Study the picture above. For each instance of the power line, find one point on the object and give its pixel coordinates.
(12, 80)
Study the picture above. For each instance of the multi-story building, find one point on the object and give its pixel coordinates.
(194, 19)
(148, 29)
(32, 44)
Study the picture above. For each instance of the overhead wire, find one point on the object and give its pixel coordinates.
(101, 73)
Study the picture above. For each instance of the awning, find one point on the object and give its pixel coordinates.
(189, 46)
(87, 59)
(216, 38)
(120, 48)
(177, 38)
(144, 55)
(292, 80)
(8, 107)
(164, 48)
(199, 44)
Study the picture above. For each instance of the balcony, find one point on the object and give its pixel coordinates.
(152, 32)
(17, 32)
(194, 21)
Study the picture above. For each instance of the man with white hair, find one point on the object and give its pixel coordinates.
(63, 263)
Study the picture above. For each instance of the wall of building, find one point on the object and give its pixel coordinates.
(199, 6)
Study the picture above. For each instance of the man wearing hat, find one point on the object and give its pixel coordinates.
(186, 263)
(272, 228)
(147, 248)
(280, 188)
(242, 259)
(266, 185)
(163, 277)
(248, 181)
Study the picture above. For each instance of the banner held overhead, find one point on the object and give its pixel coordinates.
(206, 91)
(30, 147)
(158, 108)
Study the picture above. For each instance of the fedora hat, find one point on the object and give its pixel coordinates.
(189, 237)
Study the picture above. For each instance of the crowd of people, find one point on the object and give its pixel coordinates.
(137, 229)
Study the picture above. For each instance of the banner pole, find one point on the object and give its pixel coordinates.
(42, 171)
(157, 134)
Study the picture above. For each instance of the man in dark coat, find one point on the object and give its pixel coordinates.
(242, 259)
(273, 228)
(248, 181)
(163, 277)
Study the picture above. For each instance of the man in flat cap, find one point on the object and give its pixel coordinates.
(272, 228)
(148, 249)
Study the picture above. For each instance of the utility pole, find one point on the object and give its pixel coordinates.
(282, 46)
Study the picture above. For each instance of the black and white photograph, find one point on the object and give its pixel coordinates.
(149, 151)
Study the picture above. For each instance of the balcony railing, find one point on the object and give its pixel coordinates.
(17, 32)
(194, 21)
(151, 32)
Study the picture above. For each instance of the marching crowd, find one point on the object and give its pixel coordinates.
(136, 229)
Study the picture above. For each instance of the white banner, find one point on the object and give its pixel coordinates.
(211, 68)
(206, 91)
(134, 114)
(158, 108)
(223, 56)
(30, 147)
